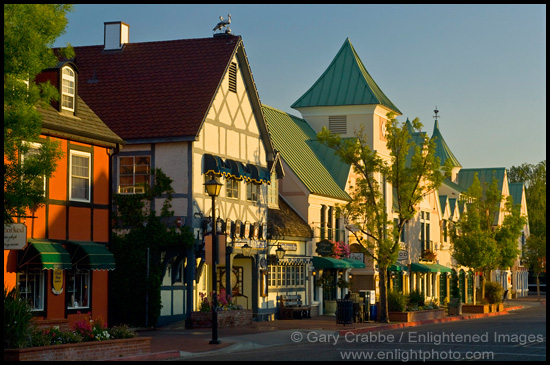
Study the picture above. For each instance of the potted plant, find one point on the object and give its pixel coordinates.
(229, 314)
(412, 308)
(493, 294)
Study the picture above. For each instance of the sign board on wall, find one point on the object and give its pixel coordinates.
(15, 236)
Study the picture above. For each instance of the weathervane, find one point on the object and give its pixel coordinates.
(436, 111)
(223, 23)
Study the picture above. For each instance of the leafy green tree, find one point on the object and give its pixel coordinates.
(413, 171)
(534, 254)
(137, 249)
(29, 33)
(479, 244)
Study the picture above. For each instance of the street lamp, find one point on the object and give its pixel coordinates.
(213, 188)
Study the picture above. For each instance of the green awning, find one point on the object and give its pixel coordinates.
(429, 268)
(45, 254)
(258, 174)
(90, 255)
(356, 264)
(332, 263)
(214, 165)
(398, 267)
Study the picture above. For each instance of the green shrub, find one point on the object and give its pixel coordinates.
(416, 298)
(493, 292)
(17, 320)
(397, 301)
(122, 331)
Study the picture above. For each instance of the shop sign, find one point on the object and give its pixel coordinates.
(57, 281)
(403, 255)
(324, 248)
(15, 236)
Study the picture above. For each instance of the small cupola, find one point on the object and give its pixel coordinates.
(116, 34)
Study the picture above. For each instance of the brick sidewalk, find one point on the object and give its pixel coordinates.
(174, 341)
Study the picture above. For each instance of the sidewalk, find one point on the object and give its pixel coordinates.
(174, 341)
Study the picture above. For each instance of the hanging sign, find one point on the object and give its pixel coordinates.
(15, 236)
(57, 281)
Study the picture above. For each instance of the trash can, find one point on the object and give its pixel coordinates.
(344, 311)
(373, 312)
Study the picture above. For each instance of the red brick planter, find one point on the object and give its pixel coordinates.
(476, 308)
(235, 318)
(416, 315)
(84, 351)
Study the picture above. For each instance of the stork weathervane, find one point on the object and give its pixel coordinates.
(223, 23)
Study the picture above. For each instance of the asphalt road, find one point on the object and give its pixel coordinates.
(519, 336)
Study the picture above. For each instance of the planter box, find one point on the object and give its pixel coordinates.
(498, 307)
(84, 351)
(235, 318)
(416, 315)
(475, 308)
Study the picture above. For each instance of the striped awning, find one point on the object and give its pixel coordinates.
(90, 255)
(216, 166)
(332, 263)
(45, 254)
(429, 268)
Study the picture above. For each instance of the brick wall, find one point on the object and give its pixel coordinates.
(85, 351)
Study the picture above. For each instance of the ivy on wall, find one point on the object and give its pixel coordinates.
(134, 292)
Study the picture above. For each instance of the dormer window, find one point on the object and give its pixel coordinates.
(67, 89)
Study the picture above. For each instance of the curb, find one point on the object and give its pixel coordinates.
(428, 321)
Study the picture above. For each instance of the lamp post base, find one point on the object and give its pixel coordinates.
(214, 342)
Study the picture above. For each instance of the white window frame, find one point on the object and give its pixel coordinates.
(37, 291)
(81, 154)
(273, 192)
(70, 79)
(85, 283)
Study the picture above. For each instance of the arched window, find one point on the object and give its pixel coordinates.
(67, 89)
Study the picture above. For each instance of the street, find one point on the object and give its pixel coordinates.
(519, 336)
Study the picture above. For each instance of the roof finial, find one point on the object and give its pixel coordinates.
(436, 111)
(223, 23)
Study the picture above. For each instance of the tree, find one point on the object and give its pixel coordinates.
(479, 244)
(534, 254)
(29, 32)
(534, 179)
(413, 171)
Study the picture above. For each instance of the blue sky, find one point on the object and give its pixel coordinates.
(483, 66)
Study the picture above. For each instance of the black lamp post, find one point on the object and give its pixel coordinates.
(213, 188)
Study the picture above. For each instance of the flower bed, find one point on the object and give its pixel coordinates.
(230, 318)
(414, 316)
(84, 351)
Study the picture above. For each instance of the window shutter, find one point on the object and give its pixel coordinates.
(233, 77)
(337, 124)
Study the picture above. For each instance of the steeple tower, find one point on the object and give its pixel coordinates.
(346, 97)
(442, 150)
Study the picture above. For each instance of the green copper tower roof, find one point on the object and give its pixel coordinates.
(442, 150)
(345, 82)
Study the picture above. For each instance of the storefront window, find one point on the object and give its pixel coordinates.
(31, 288)
(78, 289)
(286, 276)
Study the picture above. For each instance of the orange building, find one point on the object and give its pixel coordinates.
(63, 269)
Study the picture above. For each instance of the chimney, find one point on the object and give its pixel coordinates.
(116, 34)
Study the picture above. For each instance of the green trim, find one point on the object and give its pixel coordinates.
(46, 255)
(90, 255)
(332, 263)
(429, 268)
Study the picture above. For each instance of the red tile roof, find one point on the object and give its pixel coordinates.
(154, 89)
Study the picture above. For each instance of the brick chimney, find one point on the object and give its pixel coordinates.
(116, 34)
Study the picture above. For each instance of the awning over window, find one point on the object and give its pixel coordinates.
(398, 267)
(332, 263)
(429, 268)
(90, 255)
(44, 254)
(215, 165)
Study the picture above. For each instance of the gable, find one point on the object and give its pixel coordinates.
(154, 90)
